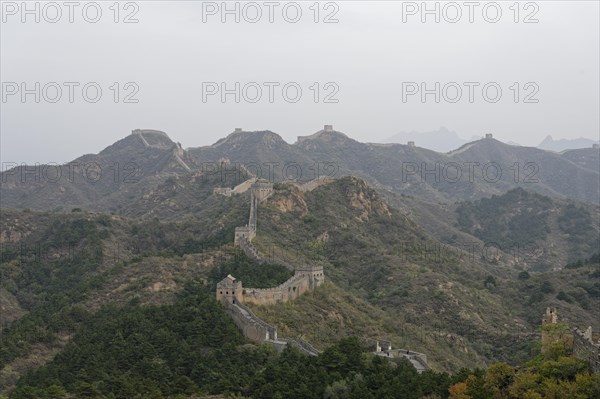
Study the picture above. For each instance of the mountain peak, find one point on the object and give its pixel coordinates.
(140, 139)
(239, 136)
(549, 138)
(325, 134)
(565, 144)
(153, 138)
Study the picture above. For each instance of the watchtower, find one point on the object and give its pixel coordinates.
(551, 316)
(261, 189)
(328, 128)
(489, 136)
(548, 334)
(314, 273)
(230, 290)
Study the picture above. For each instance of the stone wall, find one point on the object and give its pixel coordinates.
(253, 211)
(251, 326)
(289, 290)
(233, 295)
(243, 186)
(243, 237)
(153, 138)
(302, 346)
(586, 349)
(259, 331)
(177, 154)
(302, 281)
(239, 189)
(226, 191)
(313, 184)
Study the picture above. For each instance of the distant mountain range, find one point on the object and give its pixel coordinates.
(441, 140)
(444, 140)
(565, 144)
(140, 163)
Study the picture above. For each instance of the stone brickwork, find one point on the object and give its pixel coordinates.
(252, 327)
(586, 348)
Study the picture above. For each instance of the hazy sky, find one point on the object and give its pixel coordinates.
(370, 61)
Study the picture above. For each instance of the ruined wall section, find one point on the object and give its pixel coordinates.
(586, 349)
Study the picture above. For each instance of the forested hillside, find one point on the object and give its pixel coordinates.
(88, 295)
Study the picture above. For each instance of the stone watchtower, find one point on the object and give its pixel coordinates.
(548, 335)
(489, 136)
(261, 189)
(328, 128)
(314, 273)
(230, 290)
(551, 316)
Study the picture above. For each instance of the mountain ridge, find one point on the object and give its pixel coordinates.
(142, 160)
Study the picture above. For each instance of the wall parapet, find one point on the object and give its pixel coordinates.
(586, 349)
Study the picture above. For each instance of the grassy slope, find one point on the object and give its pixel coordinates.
(439, 306)
(349, 228)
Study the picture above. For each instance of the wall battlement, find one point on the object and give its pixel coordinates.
(584, 347)
(304, 279)
(232, 294)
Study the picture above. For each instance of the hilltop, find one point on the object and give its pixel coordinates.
(139, 164)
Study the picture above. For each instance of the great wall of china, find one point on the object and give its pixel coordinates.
(586, 344)
(231, 293)
(177, 152)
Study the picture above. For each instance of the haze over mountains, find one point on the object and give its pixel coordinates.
(136, 164)
(565, 144)
(441, 140)
(444, 140)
